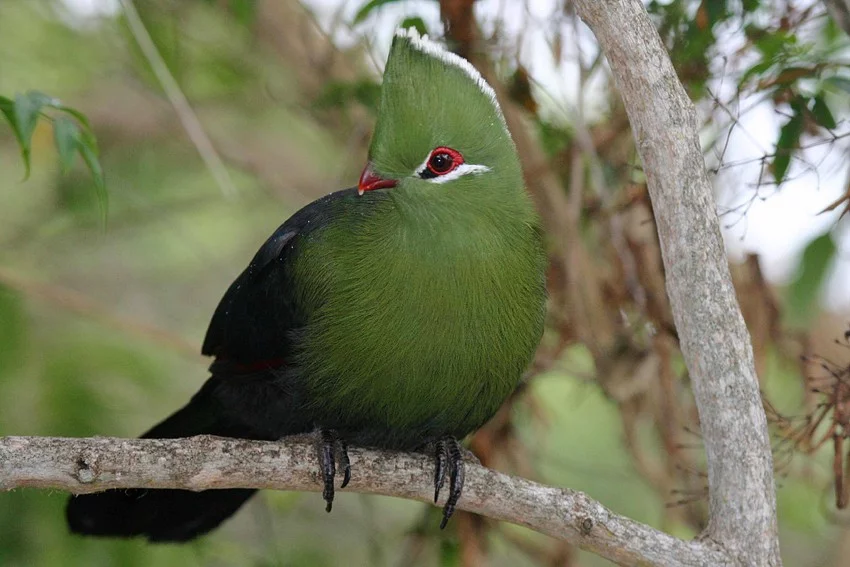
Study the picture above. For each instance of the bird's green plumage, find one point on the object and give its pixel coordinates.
(426, 299)
(396, 317)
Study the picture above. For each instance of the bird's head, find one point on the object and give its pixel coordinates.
(439, 125)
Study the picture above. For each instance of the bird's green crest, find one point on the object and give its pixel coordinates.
(432, 98)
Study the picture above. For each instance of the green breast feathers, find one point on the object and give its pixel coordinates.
(426, 310)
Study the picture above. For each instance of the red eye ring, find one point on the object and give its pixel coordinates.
(443, 160)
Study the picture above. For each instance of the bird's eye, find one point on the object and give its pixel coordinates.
(442, 161)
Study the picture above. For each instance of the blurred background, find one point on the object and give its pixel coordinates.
(217, 119)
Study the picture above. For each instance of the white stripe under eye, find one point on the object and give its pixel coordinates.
(459, 171)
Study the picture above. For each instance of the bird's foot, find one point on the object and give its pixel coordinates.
(331, 446)
(448, 458)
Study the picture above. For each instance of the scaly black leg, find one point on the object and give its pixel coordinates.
(329, 445)
(448, 458)
(441, 460)
(328, 466)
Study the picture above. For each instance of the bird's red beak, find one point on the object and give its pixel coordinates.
(370, 181)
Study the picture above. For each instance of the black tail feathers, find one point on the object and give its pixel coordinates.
(158, 515)
(164, 515)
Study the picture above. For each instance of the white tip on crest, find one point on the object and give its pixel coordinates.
(424, 44)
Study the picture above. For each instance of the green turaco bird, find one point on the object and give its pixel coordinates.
(399, 314)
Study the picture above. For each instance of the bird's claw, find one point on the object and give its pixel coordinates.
(448, 458)
(330, 446)
(345, 463)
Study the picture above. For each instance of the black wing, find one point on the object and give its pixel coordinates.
(253, 324)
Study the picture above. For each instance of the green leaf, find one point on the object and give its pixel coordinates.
(789, 139)
(86, 133)
(773, 45)
(822, 114)
(716, 11)
(414, 22)
(757, 69)
(803, 293)
(71, 134)
(750, 5)
(841, 83)
(7, 107)
(369, 7)
(27, 110)
(66, 135)
(89, 155)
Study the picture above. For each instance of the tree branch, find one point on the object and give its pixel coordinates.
(205, 462)
(714, 339)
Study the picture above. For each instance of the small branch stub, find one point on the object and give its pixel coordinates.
(86, 472)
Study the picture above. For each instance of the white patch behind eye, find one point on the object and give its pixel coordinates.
(425, 45)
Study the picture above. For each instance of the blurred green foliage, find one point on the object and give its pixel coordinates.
(804, 293)
(783, 60)
(369, 7)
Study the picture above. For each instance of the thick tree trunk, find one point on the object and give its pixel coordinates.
(714, 339)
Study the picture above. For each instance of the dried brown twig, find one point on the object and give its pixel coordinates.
(828, 421)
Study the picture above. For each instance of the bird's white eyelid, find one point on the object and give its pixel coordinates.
(459, 171)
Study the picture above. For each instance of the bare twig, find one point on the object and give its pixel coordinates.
(200, 463)
(76, 302)
(178, 100)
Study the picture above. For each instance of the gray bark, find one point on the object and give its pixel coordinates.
(714, 339)
(198, 463)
